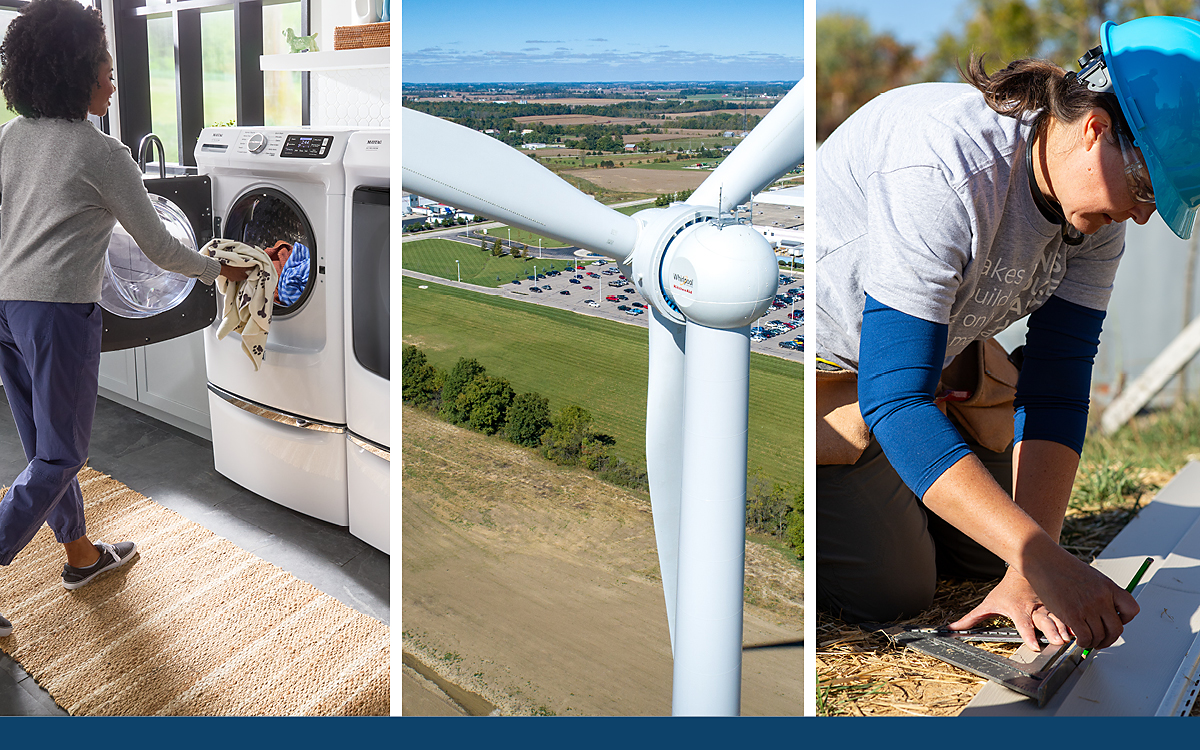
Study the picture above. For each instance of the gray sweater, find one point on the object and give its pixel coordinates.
(62, 184)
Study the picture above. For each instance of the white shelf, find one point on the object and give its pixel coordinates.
(339, 59)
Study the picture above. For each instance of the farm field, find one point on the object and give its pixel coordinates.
(595, 363)
(635, 180)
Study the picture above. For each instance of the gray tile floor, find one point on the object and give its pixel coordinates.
(175, 469)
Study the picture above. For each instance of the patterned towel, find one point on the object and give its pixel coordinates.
(248, 303)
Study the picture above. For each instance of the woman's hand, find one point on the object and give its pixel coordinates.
(234, 273)
(1077, 600)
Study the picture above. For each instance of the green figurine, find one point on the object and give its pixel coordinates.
(301, 43)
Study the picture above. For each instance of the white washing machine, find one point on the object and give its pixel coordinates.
(368, 327)
(279, 431)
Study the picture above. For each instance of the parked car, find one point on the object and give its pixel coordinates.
(793, 345)
(517, 282)
(564, 292)
(591, 303)
(634, 311)
(611, 298)
(535, 289)
(574, 281)
(587, 287)
(546, 287)
(622, 297)
(622, 308)
(638, 304)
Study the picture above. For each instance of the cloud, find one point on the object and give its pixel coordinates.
(532, 49)
(598, 39)
(543, 41)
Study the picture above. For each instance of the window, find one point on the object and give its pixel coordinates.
(6, 17)
(281, 88)
(160, 37)
(220, 74)
(183, 66)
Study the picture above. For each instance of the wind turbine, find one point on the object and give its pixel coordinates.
(706, 279)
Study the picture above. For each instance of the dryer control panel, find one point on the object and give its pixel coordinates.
(306, 146)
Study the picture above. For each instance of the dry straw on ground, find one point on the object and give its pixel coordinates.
(861, 673)
(193, 626)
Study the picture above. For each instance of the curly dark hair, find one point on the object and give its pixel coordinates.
(51, 57)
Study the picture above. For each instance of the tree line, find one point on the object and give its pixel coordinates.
(469, 397)
(855, 63)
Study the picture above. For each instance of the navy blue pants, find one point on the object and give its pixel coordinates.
(50, 364)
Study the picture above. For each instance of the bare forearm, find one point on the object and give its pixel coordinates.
(968, 497)
(1043, 473)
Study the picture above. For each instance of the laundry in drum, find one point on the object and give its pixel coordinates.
(294, 276)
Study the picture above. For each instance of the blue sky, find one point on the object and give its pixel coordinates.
(916, 22)
(471, 41)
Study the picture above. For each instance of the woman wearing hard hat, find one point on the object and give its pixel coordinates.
(946, 212)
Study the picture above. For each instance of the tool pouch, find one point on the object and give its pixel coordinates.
(982, 373)
(984, 370)
(842, 435)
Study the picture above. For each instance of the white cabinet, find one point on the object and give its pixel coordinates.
(166, 381)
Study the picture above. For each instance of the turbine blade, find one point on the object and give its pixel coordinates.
(775, 146)
(664, 450)
(712, 523)
(477, 173)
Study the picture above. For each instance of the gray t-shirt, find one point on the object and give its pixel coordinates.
(62, 184)
(923, 202)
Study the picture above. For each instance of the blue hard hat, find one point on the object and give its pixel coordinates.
(1154, 65)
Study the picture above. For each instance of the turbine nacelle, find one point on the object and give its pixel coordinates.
(722, 276)
(689, 265)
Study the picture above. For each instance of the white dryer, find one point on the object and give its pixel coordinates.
(368, 328)
(279, 431)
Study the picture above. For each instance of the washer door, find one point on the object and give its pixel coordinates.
(134, 287)
(143, 304)
(270, 219)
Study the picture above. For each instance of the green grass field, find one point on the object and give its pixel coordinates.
(520, 235)
(437, 256)
(596, 363)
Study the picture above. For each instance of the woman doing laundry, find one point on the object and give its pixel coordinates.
(62, 184)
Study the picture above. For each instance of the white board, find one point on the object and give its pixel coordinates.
(1130, 677)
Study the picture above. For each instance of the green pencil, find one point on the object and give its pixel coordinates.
(1132, 584)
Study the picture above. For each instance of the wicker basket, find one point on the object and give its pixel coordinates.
(361, 37)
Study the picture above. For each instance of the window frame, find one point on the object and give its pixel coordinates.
(129, 39)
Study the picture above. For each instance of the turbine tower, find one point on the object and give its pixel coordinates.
(706, 280)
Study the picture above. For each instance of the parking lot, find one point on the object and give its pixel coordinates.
(607, 298)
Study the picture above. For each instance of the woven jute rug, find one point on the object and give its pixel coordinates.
(193, 626)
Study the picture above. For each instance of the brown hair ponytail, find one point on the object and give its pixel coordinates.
(1031, 86)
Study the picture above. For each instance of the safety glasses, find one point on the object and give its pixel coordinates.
(1137, 176)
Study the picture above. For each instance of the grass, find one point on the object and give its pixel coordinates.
(1163, 440)
(437, 256)
(529, 238)
(595, 363)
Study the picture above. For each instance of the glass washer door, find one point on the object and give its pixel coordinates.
(133, 286)
(265, 217)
